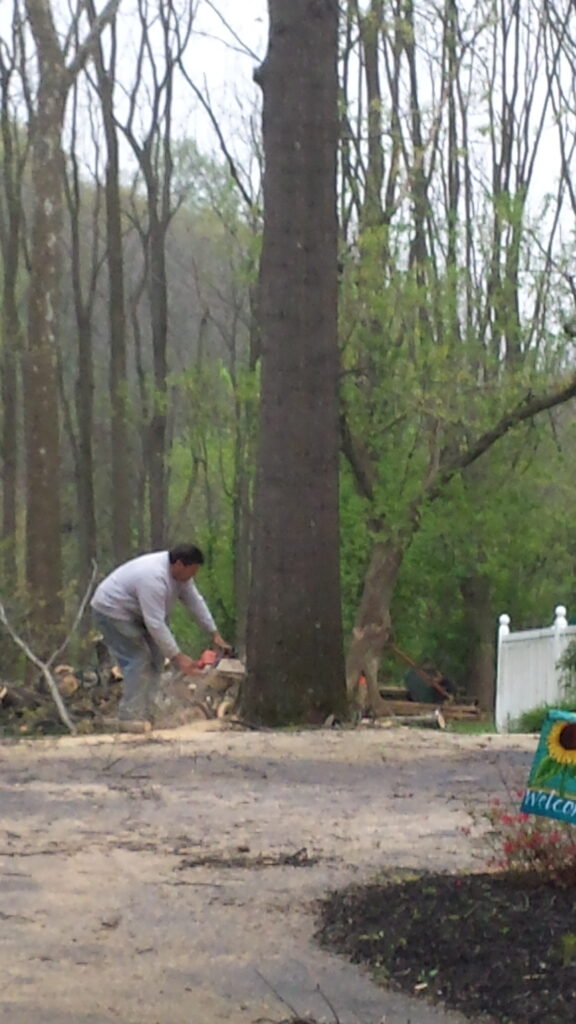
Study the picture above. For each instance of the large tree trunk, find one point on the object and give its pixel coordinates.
(481, 633)
(295, 657)
(44, 571)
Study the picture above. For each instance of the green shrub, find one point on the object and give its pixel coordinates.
(567, 663)
(533, 719)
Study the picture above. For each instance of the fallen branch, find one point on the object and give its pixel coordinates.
(79, 614)
(49, 678)
(45, 666)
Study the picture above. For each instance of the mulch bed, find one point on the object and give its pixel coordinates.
(479, 943)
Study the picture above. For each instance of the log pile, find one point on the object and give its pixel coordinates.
(213, 693)
(396, 705)
(30, 709)
(92, 698)
(451, 711)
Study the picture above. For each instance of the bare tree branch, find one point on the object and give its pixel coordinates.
(243, 48)
(96, 29)
(49, 678)
(529, 407)
(77, 619)
(234, 172)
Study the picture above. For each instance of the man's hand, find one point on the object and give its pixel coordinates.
(185, 664)
(219, 642)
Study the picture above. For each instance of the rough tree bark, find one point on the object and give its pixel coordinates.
(44, 570)
(295, 656)
(373, 626)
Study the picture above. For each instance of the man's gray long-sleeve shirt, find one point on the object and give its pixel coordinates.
(143, 590)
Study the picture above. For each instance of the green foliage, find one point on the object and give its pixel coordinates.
(567, 662)
(478, 727)
(509, 521)
(425, 374)
(533, 719)
(354, 546)
(568, 947)
(203, 486)
(203, 183)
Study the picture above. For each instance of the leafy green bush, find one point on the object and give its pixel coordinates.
(568, 660)
(533, 719)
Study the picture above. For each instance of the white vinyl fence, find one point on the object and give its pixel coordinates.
(527, 671)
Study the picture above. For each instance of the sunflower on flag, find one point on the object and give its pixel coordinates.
(551, 787)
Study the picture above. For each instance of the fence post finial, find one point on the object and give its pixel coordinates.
(503, 626)
(560, 620)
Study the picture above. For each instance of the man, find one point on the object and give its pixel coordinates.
(131, 608)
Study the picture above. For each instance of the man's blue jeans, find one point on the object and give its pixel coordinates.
(140, 661)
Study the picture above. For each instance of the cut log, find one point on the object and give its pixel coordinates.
(20, 698)
(67, 684)
(410, 708)
(430, 721)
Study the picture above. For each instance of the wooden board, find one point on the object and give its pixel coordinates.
(411, 707)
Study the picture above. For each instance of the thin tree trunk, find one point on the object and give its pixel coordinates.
(120, 476)
(84, 390)
(242, 528)
(244, 463)
(158, 299)
(480, 630)
(121, 494)
(143, 472)
(13, 162)
(11, 344)
(85, 417)
(370, 27)
(372, 629)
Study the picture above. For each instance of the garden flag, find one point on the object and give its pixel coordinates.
(551, 787)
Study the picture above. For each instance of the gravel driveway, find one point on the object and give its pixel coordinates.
(172, 879)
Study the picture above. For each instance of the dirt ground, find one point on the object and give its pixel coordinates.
(173, 879)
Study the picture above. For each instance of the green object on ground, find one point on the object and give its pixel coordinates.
(419, 690)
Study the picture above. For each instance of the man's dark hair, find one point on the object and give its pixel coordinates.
(188, 554)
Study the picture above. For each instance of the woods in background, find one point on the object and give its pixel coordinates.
(134, 317)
